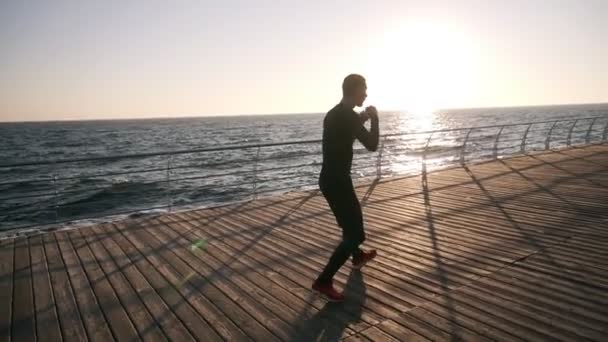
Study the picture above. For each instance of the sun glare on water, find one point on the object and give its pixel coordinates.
(420, 67)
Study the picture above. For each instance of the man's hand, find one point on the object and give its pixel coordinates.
(363, 116)
(372, 113)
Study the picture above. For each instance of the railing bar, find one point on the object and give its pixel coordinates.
(246, 171)
(157, 154)
(193, 166)
(239, 147)
(302, 174)
(287, 188)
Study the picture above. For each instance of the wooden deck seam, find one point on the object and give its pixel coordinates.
(222, 291)
(222, 263)
(304, 264)
(112, 259)
(113, 293)
(10, 279)
(145, 278)
(280, 284)
(129, 238)
(509, 249)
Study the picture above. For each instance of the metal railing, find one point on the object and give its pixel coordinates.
(254, 169)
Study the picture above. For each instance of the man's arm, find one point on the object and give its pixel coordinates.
(364, 117)
(369, 139)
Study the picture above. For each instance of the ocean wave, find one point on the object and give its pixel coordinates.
(120, 193)
(104, 195)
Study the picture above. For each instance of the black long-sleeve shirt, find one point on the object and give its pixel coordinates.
(341, 127)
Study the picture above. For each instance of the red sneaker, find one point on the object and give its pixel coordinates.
(327, 291)
(363, 259)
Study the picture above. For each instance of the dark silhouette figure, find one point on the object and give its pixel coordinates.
(341, 126)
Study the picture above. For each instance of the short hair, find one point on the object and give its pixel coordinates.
(352, 82)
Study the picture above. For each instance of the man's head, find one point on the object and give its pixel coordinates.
(354, 89)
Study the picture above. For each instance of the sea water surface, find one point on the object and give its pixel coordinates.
(53, 192)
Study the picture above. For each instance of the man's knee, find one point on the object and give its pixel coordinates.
(354, 237)
(362, 237)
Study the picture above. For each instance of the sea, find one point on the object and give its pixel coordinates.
(72, 173)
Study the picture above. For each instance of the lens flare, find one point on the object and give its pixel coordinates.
(198, 244)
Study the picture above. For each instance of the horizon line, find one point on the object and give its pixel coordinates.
(295, 113)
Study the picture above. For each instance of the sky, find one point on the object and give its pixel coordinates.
(63, 59)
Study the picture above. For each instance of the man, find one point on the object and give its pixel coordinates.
(341, 126)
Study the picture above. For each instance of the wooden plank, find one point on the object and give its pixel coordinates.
(423, 328)
(24, 320)
(490, 316)
(180, 295)
(6, 288)
(354, 338)
(130, 263)
(382, 267)
(579, 324)
(449, 326)
(300, 234)
(69, 316)
(286, 304)
(280, 265)
(235, 303)
(566, 298)
(281, 281)
(409, 244)
(398, 331)
(531, 209)
(147, 327)
(261, 305)
(468, 317)
(447, 205)
(479, 237)
(302, 252)
(91, 314)
(497, 250)
(118, 321)
(47, 322)
(506, 310)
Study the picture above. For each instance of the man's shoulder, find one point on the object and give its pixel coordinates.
(341, 113)
(335, 110)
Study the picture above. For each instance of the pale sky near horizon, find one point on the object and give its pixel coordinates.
(147, 58)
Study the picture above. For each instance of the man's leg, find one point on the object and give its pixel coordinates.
(347, 210)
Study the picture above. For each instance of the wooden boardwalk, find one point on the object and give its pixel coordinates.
(513, 249)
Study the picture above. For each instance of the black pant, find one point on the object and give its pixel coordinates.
(342, 199)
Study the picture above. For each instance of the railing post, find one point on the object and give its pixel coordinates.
(464, 145)
(495, 150)
(548, 140)
(522, 148)
(426, 145)
(169, 195)
(255, 173)
(56, 198)
(379, 160)
(589, 130)
(570, 132)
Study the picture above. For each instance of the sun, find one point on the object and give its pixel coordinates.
(421, 67)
